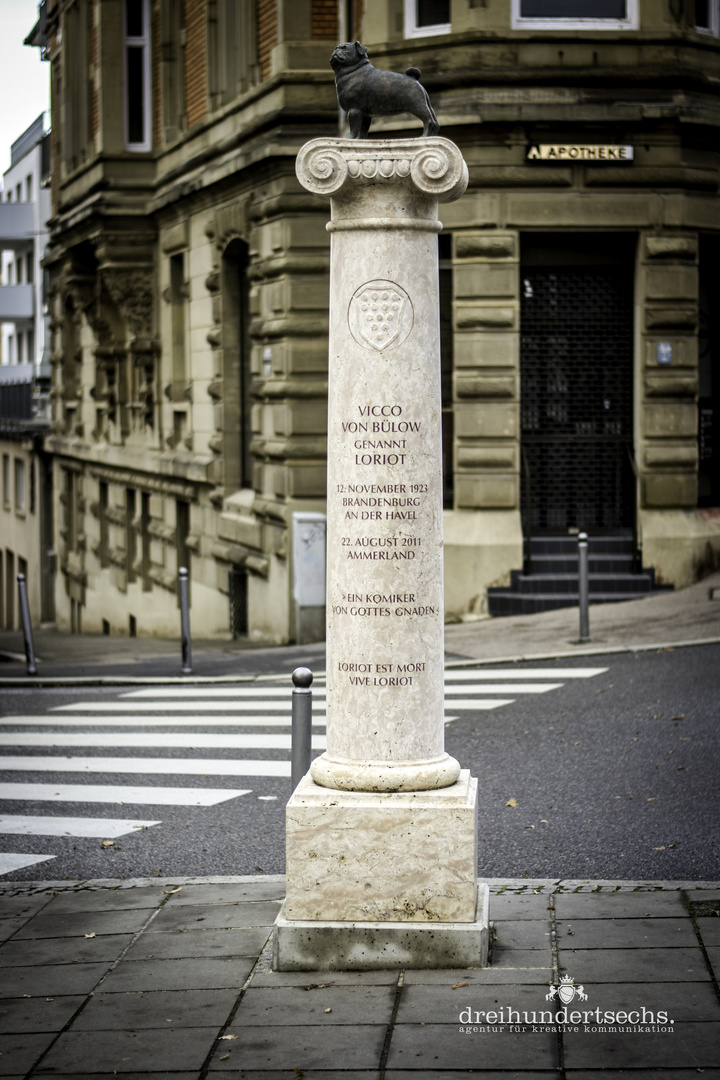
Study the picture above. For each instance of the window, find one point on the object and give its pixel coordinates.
(707, 16)
(20, 485)
(76, 34)
(178, 307)
(28, 189)
(137, 75)
(426, 17)
(6, 479)
(575, 14)
(233, 49)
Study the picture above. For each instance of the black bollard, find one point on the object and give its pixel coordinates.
(301, 743)
(27, 628)
(185, 643)
(583, 587)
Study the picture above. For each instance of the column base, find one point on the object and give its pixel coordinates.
(369, 776)
(371, 946)
(357, 856)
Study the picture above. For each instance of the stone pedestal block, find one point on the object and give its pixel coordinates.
(374, 857)
(368, 946)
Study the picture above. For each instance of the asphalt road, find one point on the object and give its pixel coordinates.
(614, 776)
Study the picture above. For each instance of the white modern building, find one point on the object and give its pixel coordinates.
(24, 212)
(26, 483)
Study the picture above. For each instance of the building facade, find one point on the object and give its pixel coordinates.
(26, 532)
(189, 290)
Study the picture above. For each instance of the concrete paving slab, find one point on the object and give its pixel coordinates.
(147, 1051)
(113, 1074)
(331, 1005)
(37, 1014)
(443, 1005)
(522, 934)
(161, 1009)
(22, 953)
(690, 1046)
(22, 906)
(633, 965)
(10, 927)
(194, 974)
(681, 1001)
(640, 1074)
(713, 956)
(52, 980)
(229, 916)
(454, 1074)
(329, 1073)
(105, 900)
(322, 979)
(294, 1048)
(627, 933)
(265, 888)
(80, 923)
(490, 976)
(709, 931)
(504, 956)
(513, 906)
(441, 1046)
(619, 905)
(703, 894)
(174, 945)
(19, 1052)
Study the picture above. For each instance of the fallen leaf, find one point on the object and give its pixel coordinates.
(458, 986)
(652, 800)
(91, 935)
(107, 843)
(224, 1057)
(511, 802)
(169, 891)
(328, 1010)
(661, 848)
(228, 1038)
(544, 821)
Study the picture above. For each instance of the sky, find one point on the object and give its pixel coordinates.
(24, 77)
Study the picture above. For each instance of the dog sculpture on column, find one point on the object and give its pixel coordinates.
(364, 91)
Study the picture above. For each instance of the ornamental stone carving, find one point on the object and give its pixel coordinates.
(132, 292)
(432, 166)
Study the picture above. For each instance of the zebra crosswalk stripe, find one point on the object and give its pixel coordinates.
(241, 706)
(147, 766)
(142, 795)
(36, 825)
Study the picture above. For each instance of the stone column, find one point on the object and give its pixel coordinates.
(385, 725)
(381, 847)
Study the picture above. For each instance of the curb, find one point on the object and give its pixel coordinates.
(188, 680)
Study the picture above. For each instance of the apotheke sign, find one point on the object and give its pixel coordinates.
(580, 152)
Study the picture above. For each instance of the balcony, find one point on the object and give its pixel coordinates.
(16, 225)
(16, 302)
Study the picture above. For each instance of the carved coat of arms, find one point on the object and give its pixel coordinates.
(380, 315)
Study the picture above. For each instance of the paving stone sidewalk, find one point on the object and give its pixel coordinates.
(173, 978)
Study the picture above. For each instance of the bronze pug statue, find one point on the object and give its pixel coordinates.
(363, 91)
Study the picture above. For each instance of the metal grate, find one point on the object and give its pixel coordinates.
(576, 371)
(238, 602)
